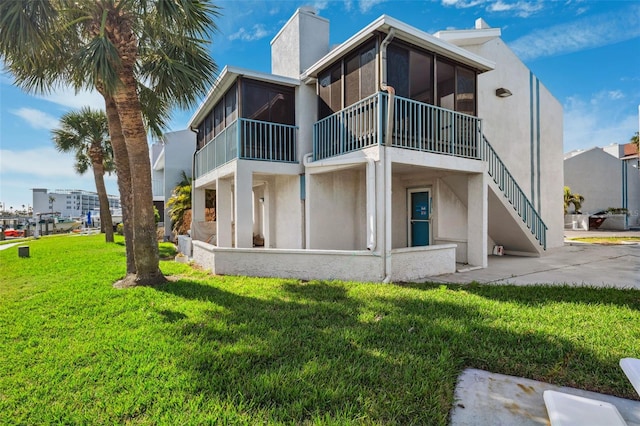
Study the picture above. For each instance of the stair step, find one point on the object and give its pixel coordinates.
(571, 410)
(631, 367)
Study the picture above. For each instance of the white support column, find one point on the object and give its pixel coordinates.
(477, 220)
(197, 205)
(224, 199)
(308, 204)
(243, 207)
(385, 180)
(266, 216)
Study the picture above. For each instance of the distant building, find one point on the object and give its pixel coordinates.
(605, 177)
(69, 202)
(169, 158)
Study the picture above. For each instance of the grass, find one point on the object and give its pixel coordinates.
(237, 350)
(607, 240)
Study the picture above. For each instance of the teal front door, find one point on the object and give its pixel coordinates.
(419, 218)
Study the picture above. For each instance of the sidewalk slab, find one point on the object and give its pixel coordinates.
(581, 264)
(483, 398)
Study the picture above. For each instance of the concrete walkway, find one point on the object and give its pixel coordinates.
(488, 399)
(574, 264)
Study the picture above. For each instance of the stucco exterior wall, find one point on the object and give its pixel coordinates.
(289, 213)
(337, 203)
(525, 129)
(418, 263)
(597, 176)
(301, 264)
(178, 157)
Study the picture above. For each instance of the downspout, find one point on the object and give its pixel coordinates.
(193, 177)
(371, 193)
(387, 142)
(384, 86)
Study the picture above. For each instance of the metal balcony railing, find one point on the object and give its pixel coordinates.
(423, 127)
(249, 140)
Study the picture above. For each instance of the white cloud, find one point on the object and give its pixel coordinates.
(36, 118)
(462, 4)
(320, 4)
(522, 9)
(256, 33)
(586, 33)
(599, 121)
(42, 162)
(367, 5)
(67, 97)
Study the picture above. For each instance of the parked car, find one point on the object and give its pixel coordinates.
(10, 232)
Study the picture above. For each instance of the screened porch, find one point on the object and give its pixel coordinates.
(415, 125)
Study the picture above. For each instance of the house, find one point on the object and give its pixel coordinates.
(170, 158)
(396, 155)
(606, 177)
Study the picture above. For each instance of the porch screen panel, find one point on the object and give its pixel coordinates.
(218, 118)
(208, 127)
(421, 77)
(200, 136)
(368, 84)
(330, 89)
(231, 105)
(466, 91)
(445, 78)
(398, 70)
(352, 81)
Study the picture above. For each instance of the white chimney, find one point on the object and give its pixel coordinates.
(301, 42)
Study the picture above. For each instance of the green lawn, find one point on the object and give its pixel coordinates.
(235, 350)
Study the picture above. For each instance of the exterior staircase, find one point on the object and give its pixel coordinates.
(508, 199)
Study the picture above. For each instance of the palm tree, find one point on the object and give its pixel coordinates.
(635, 139)
(180, 201)
(571, 198)
(114, 45)
(86, 133)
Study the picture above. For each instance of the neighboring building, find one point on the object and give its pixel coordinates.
(606, 177)
(170, 157)
(73, 203)
(393, 156)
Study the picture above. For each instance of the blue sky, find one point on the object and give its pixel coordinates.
(587, 53)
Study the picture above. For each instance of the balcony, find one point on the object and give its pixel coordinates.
(416, 126)
(248, 140)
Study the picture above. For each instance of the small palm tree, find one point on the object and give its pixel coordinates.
(571, 198)
(635, 139)
(86, 133)
(180, 202)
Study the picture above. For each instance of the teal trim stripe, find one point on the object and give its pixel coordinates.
(303, 186)
(538, 141)
(625, 183)
(531, 135)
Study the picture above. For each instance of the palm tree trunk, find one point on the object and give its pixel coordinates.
(145, 240)
(123, 174)
(105, 212)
